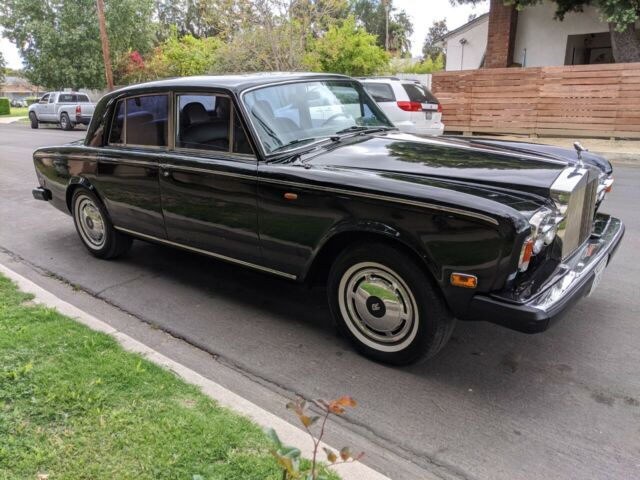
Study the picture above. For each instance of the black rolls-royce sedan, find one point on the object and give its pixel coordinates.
(303, 176)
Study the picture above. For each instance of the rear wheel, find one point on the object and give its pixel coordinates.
(387, 306)
(33, 119)
(65, 122)
(95, 228)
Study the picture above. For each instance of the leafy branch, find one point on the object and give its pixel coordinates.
(289, 457)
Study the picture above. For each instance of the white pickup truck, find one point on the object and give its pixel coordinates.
(67, 109)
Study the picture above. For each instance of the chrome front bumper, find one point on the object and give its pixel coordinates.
(571, 281)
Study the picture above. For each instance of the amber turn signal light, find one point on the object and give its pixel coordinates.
(463, 280)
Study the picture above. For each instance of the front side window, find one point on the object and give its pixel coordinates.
(204, 122)
(45, 98)
(287, 115)
(147, 120)
(52, 98)
(381, 92)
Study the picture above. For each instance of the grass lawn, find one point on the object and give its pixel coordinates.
(74, 405)
(17, 112)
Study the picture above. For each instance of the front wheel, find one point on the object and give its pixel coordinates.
(33, 119)
(387, 305)
(95, 228)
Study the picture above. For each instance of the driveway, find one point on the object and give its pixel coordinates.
(494, 404)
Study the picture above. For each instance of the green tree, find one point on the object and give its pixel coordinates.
(60, 42)
(621, 15)
(433, 42)
(372, 15)
(2, 68)
(202, 18)
(347, 49)
(179, 57)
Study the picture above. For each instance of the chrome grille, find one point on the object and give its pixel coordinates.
(575, 194)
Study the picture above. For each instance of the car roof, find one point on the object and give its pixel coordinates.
(236, 83)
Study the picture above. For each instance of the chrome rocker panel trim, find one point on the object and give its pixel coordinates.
(206, 252)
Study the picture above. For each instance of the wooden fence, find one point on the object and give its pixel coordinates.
(585, 100)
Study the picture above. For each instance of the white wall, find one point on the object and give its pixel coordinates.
(545, 39)
(470, 56)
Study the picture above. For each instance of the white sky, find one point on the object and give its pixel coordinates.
(422, 14)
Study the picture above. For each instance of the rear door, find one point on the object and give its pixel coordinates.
(128, 167)
(383, 94)
(420, 94)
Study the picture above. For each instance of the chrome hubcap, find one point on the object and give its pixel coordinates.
(90, 223)
(378, 306)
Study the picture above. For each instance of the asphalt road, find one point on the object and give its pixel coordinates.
(494, 404)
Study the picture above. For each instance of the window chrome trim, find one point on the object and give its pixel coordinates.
(386, 198)
(125, 99)
(232, 113)
(208, 253)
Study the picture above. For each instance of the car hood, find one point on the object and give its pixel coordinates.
(441, 158)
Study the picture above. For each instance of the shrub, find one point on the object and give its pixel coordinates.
(5, 106)
(32, 100)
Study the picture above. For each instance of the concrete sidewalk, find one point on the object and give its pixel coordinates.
(11, 119)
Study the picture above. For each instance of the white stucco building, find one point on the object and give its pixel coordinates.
(530, 38)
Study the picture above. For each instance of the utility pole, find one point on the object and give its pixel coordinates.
(104, 38)
(387, 8)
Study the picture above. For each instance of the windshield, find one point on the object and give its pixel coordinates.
(293, 114)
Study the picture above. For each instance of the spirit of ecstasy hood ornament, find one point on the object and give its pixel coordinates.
(579, 148)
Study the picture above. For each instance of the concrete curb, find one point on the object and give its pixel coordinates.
(288, 433)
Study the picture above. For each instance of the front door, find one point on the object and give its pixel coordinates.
(208, 185)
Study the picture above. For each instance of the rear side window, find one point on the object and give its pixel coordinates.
(418, 93)
(83, 99)
(381, 92)
(117, 125)
(67, 98)
(147, 120)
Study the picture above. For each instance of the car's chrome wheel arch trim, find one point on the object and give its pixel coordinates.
(144, 236)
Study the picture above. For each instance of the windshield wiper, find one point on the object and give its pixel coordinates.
(298, 141)
(363, 128)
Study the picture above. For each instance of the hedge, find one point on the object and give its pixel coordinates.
(5, 106)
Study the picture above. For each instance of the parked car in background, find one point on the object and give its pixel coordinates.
(409, 105)
(67, 109)
(18, 103)
(303, 176)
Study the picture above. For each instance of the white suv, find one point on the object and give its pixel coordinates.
(408, 104)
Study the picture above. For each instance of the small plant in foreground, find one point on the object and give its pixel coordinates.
(289, 457)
